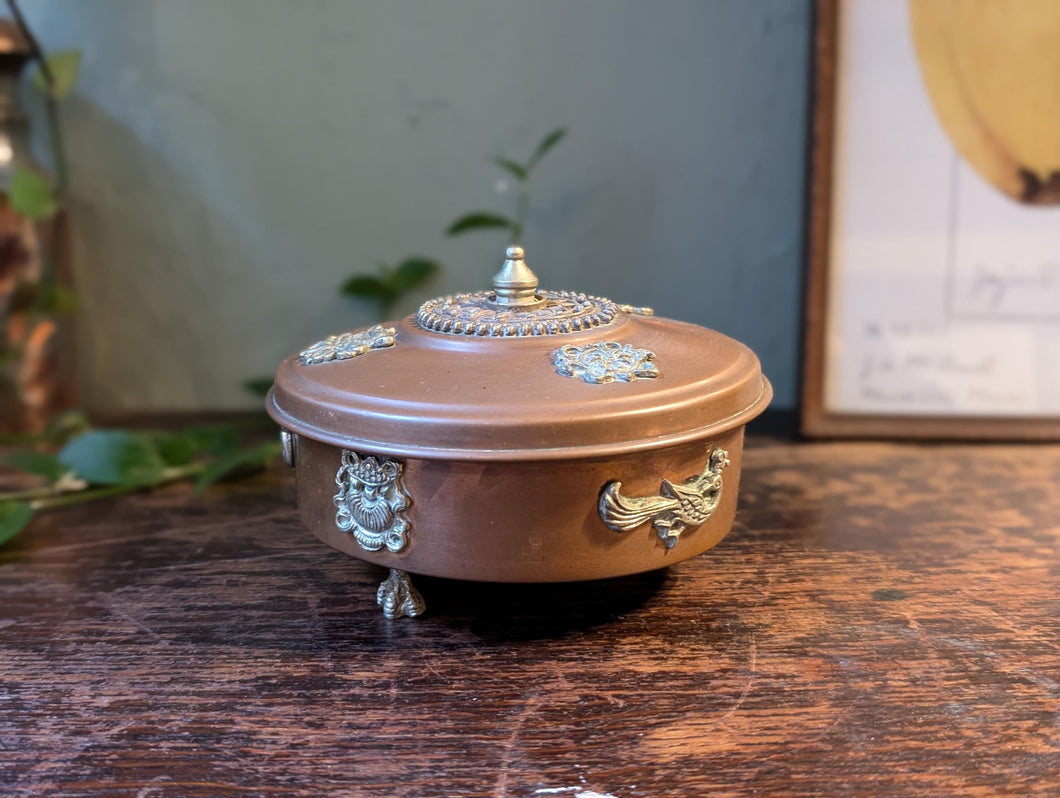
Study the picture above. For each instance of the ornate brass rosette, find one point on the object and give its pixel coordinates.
(606, 361)
(479, 314)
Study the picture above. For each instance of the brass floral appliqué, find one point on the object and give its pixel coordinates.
(636, 310)
(371, 501)
(604, 362)
(347, 345)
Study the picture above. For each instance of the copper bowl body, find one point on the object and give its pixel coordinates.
(523, 521)
(565, 438)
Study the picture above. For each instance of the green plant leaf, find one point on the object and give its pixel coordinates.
(114, 457)
(31, 195)
(367, 286)
(53, 298)
(547, 143)
(195, 442)
(177, 448)
(64, 66)
(253, 458)
(40, 463)
(258, 386)
(215, 439)
(479, 220)
(517, 170)
(13, 519)
(412, 272)
(66, 425)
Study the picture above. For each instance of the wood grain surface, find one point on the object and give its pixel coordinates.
(883, 620)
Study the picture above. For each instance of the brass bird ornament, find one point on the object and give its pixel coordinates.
(677, 507)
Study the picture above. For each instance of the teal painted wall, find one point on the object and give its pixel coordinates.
(234, 161)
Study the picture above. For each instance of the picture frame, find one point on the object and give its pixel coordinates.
(829, 405)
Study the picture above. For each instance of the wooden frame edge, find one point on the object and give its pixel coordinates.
(819, 197)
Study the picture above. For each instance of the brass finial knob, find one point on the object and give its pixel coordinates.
(515, 284)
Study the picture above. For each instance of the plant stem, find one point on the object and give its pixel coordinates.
(521, 212)
(53, 496)
(84, 496)
(55, 132)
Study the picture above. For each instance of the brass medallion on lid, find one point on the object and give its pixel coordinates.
(515, 307)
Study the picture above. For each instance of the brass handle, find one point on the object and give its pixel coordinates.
(515, 285)
(287, 444)
(677, 507)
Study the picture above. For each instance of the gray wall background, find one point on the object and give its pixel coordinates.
(232, 162)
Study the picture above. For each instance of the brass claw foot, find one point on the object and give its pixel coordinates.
(398, 597)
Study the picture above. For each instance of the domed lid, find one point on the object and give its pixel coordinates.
(518, 373)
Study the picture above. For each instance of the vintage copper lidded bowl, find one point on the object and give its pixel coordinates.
(518, 435)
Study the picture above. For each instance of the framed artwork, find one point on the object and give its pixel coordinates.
(933, 294)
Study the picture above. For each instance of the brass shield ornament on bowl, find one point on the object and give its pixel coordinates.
(518, 435)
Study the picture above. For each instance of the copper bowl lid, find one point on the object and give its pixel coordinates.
(518, 373)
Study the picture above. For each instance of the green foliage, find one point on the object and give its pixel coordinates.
(114, 457)
(181, 448)
(486, 220)
(46, 298)
(367, 286)
(64, 426)
(391, 283)
(411, 273)
(176, 449)
(259, 386)
(13, 519)
(97, 463)
(215, 440)
(121, 457)
(54, 298)
(518, 171)
(255, 458)
(39, 463)
(63, 66)
(547, 143)
(478, 220)
(31, 195)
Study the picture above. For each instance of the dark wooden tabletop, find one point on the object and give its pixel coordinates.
(883, 619)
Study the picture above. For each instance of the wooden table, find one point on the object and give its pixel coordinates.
(882, 620)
